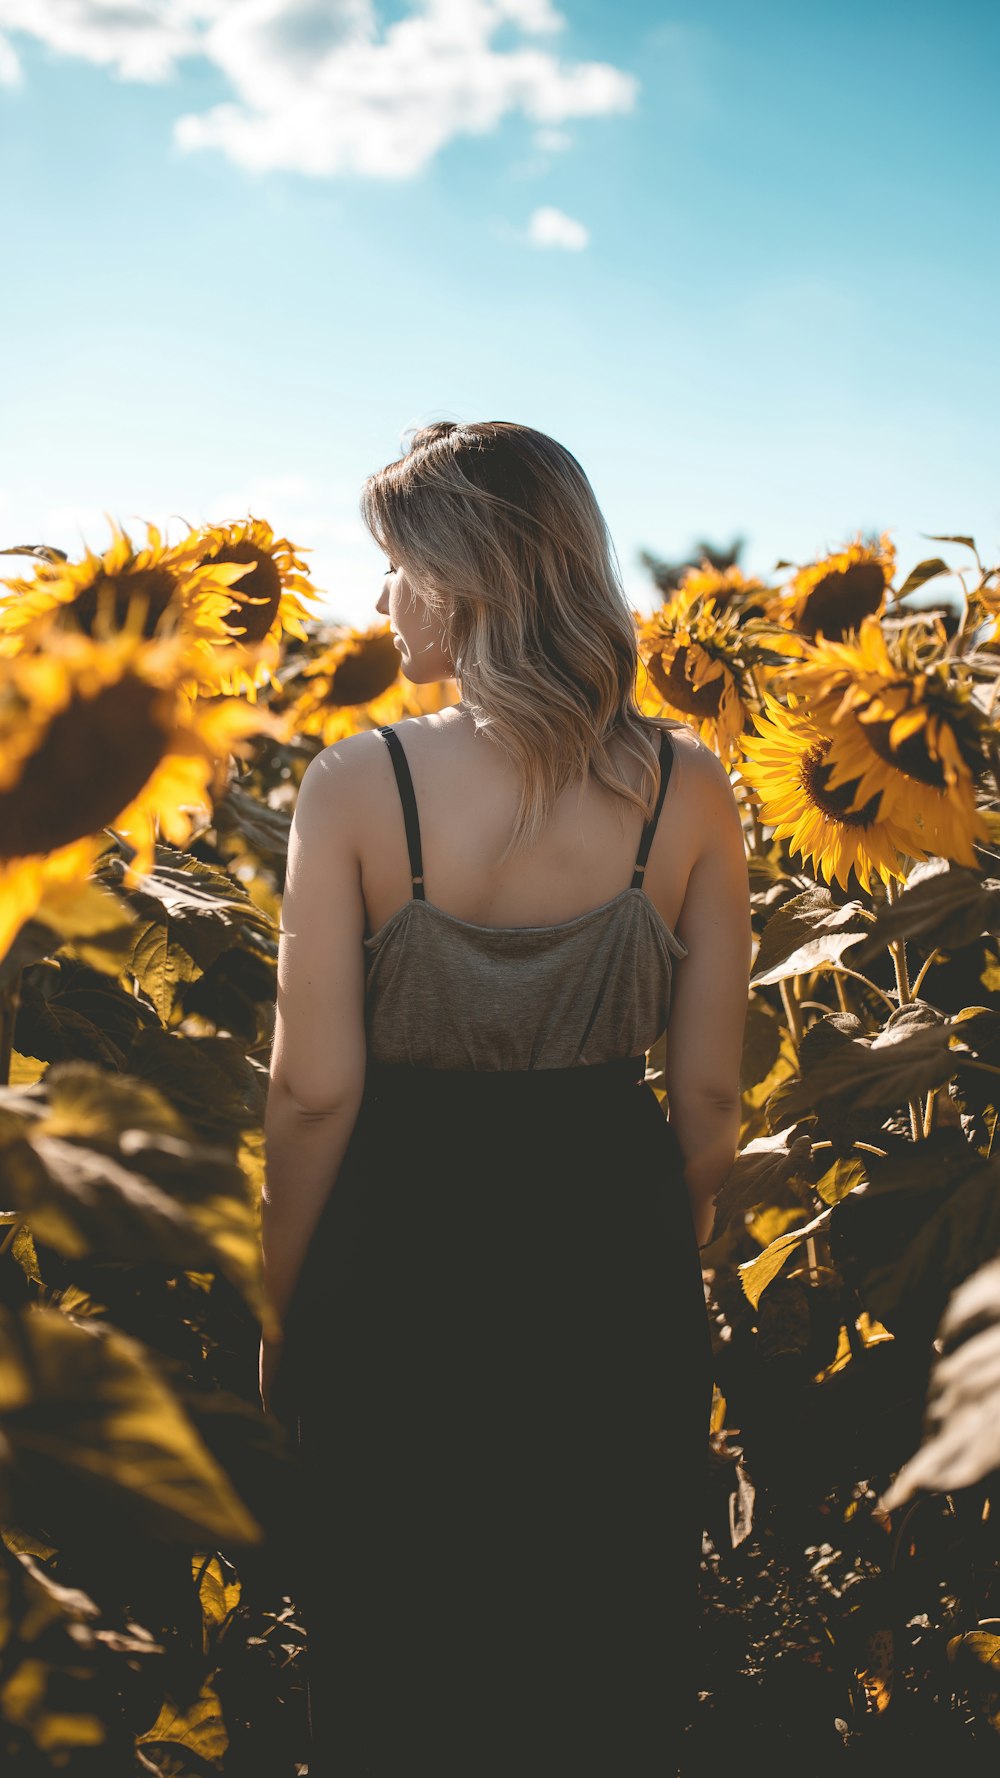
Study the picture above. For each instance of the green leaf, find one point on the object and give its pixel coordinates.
(88, 1205)
(264, 830)
(69, 1010)
(923, 572)
(87, 1104)
(160, 968)
(961, 1444)
(759, 1176)
(807, 932)
(756, 1274)
(942, 906)
(927, 1217)
(84, 1404)
(48, 1660)
(204, 909)
(45, 551)
(200, 1729)
(910, 1056)
(215, 1086)
(845, 1176)
(936, 537)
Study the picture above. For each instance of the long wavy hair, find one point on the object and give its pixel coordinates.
(499, 532)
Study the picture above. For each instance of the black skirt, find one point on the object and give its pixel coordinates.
(498, 1372)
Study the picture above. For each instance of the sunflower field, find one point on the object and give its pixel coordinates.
(159, 704)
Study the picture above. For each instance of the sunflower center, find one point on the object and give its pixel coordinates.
(365, 673)
(156, 585)
(262, 583)
(93, 760)
(910, 757)
(671, 682)
(839, 601)
(814, 775)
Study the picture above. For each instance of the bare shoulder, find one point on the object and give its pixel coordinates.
(696, 763)
(703, 790)
(341, 774)
(351, 769)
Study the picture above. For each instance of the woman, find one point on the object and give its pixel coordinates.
(480, 1230)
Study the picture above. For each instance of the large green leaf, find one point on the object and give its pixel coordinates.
(48, 1660)
(85, 1404)
(87, 1205)
(928, 1216)
(943, 906)
(756, 1274)
(70, 1010)
(760, 1175)
(910, 1056)
(807, 932)
(104, 1167)
(215, 1086)
(46, 552)
(961, 1444)
(241, 817)
(203, 908)
(88, 1104)
(923, 572)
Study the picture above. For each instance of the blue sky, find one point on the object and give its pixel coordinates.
(742, 261)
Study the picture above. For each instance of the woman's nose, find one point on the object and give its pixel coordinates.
(383, 602)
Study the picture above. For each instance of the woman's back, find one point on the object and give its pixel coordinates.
(545, 970)
(467, 794)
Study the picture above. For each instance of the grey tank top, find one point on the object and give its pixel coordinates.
(446, 993)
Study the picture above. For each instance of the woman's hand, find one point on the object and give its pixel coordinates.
(270, 1355)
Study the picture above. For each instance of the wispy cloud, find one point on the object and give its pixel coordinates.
(10, 67)
(553, 228)
(318, 89)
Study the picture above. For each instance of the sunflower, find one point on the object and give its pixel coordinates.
(832, 596)
(356, 684)
(694, 654)
(906, 734)
(96, 734)
(729, 588)
(153, 591)
(790, 763)
(266, 604)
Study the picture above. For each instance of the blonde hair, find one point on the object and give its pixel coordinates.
(499, 530)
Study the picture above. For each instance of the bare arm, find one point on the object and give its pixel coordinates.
(710, 993)
(318, 1058)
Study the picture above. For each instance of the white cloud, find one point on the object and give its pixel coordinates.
(139, 39)
(318, 89)
(10, 67)
(553, 228)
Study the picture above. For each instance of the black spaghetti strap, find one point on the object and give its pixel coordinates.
(666, 761)
(404, 782)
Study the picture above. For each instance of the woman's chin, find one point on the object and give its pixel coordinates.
(417, 675)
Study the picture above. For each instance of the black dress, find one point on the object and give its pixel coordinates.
(497, 1367)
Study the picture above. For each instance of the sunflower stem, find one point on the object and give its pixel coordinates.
(842, 969)
(790, 1005)
(922, 971)
(897, 951)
